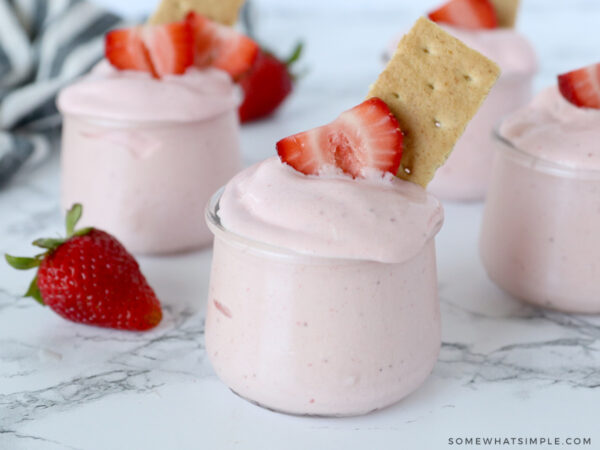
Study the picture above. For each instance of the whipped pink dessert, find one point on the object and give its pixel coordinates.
(323, 291)
(540, 239)
(334, 307)
(466, 174)
(144, 155)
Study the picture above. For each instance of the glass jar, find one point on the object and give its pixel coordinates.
(539, 239)
(148, 182)
(318, 335)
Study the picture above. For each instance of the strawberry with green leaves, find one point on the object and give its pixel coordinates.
(266, 85)
(90, 278)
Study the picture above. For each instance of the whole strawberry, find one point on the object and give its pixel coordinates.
(266, 85)
(89, 277)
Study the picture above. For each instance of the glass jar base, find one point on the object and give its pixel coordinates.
(311, 414)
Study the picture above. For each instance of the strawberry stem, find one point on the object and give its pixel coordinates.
(295, 56)
(73, 216)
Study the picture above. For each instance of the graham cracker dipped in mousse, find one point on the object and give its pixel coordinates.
(323, 291)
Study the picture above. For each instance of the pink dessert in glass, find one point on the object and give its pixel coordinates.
(323, 289)
(334, 310)
(153, 130)
(539, 238)
(144, 155)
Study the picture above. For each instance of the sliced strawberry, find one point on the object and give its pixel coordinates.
(126, 51)
(582, 87)
(159, 50)
(221, 46)
(307, 152)
(472, 14)
(171, 47)
(366, 136)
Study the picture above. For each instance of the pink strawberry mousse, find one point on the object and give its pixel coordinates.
(144, 155)
(323, 293)
(466, 173)
(540, 239)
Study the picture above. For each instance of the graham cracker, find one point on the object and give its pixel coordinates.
(506, 11)
(223, 11)
(433, 84)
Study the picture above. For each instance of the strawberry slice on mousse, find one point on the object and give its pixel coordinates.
(365, 137)
(471, 14)
(159, 50)
(582, 87)
(125, 50)
(171, 47)
(221, 46)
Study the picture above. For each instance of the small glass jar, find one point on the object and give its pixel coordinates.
(318, 335)
(147, 182)
(540, 238)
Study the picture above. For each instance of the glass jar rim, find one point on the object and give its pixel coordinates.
(539, 163)
(238, 99)
(211, 214)
(218, 229)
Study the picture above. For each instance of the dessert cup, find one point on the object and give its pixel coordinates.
(145, 182)
(539, 239)
(312, 335)
(144, 156)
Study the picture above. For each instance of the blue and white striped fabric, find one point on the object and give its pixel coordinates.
(44, 45)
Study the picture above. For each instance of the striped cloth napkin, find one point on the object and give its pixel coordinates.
(44, 45)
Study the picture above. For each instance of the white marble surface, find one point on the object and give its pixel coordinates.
(505, 369)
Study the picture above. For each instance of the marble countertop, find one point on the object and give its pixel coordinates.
(505, 369)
